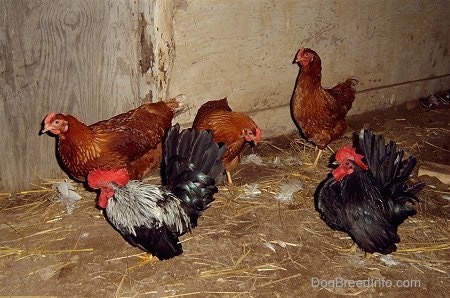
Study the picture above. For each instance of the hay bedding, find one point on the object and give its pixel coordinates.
(261, 237)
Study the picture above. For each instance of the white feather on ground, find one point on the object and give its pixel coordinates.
(251, 191)
(389, 260)
(270, 244)
(446, 197)
(289, 161)
(252, 158)
(67, 196)
(287, 190)
(257, 160)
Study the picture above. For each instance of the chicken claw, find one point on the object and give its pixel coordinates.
(146, 259)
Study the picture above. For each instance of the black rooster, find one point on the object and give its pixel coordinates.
(152, 217)
(370, 201)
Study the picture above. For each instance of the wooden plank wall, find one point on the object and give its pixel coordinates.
(78, 57)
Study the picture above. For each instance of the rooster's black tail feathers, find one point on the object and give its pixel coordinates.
(392, 174)
(192, 166)
(387, 166)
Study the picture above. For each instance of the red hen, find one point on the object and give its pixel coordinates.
(130, 140)
(319, 113)
(234, 129)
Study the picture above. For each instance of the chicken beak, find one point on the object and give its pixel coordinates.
(43, 131)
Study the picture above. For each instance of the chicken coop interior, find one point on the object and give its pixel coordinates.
(292, 83)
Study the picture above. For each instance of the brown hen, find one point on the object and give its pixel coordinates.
(319, 113)
(131, 140)
(234, 129)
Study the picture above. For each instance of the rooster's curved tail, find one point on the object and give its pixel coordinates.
(392, 174)
(192, 167)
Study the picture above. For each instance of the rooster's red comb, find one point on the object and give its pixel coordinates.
(101, 177)
(349, 153)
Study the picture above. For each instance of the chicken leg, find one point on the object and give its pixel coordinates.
(319, 154)
(316, 161)
(230, 181)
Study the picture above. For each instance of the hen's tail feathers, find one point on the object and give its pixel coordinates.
(345, 92)
(391, 172)
(192, 166)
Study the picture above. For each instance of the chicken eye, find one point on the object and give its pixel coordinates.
(57, 122)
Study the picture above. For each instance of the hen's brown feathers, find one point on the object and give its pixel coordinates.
(211, 106)
(130, 140)
(319, 113)
(228, 127)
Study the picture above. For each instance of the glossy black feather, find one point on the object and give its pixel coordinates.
(192, 166)
(370, 205)
(388, 167)
(160, 242)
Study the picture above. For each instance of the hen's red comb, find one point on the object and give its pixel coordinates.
(349, 153)
(100, 177)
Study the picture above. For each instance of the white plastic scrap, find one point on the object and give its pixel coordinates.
(251, 191)
(287, 190)
(252, 158)
(67, 195)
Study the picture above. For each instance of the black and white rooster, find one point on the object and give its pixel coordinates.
(369, 200)
(152, 217)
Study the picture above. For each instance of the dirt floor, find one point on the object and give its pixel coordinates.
(255, 241)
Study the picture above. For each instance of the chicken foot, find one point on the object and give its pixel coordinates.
(349, 251)
(147, 258)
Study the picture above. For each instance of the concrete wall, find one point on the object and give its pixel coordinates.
(243, 49)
